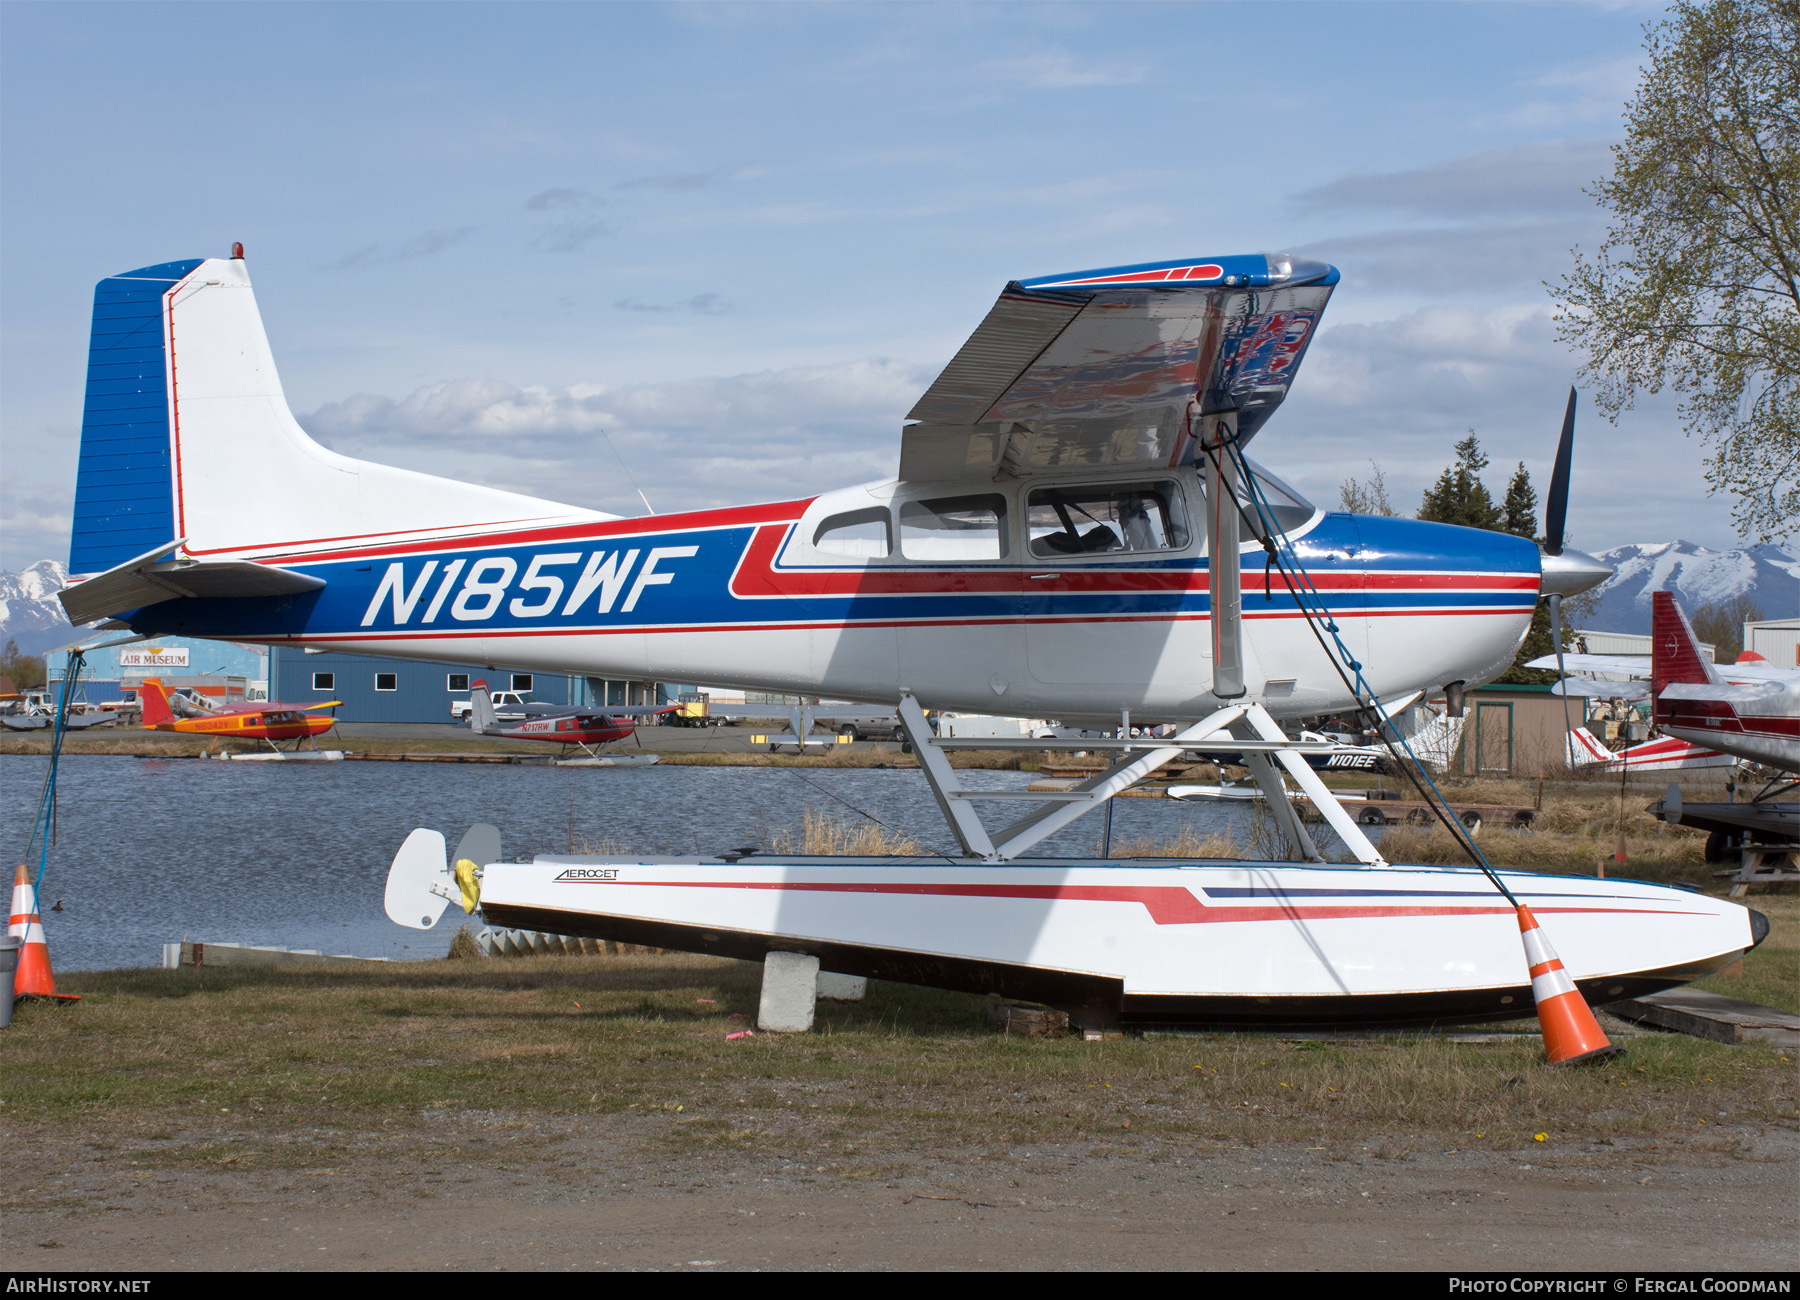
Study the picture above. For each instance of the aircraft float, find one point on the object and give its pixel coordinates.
(1065, 538)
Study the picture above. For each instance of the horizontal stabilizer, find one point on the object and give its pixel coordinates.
(153, 577)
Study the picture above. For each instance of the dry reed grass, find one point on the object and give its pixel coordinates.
(1187, 843)
(1570, 835)
(823, 835)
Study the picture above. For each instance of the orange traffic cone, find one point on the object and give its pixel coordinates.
(33, 978)
(1571, 1034)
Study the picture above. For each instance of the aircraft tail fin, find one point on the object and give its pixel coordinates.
(481, 709)
(1588, 750)
(1674, 652)
(183, 401)
(153, 702)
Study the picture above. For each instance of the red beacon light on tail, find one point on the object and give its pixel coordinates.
(237, 252)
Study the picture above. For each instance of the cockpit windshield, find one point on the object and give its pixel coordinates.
(1280, 498)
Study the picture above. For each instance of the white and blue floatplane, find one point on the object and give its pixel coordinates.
(1064, 538)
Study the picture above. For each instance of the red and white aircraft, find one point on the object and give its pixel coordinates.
(1751, 710)
(582, 728)
(1710, 716)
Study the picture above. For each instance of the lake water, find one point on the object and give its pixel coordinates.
(149, 851)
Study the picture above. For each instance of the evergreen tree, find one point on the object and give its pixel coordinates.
(1459, 496)
(1519, 510)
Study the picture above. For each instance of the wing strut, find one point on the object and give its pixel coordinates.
(1236, 728)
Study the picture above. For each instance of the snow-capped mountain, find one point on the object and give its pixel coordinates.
(30, 614)
(1767, 574)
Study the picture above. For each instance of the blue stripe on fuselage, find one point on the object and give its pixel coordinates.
(652, 580)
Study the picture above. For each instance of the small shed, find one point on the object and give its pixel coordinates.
(1516, 731)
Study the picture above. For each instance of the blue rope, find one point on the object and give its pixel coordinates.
(44, 824)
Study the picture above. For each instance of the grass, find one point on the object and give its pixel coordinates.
(286, 1069)
(1770, 976)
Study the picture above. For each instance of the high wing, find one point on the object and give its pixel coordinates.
(1638, 666)
(556, 712)
(1601, 688)
(1100, 367)
(1627, 665)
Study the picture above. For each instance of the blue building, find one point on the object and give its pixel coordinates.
(378, 689)
(224, 669)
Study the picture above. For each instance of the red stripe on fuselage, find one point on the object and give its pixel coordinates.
(516, 533)
(759, 577)
(1167, 904)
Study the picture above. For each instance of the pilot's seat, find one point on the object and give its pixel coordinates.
(1069, 542)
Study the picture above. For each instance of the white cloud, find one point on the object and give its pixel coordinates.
(1402, 391)
(404, 250)
(1577, 94)
(705, 304)
(34, 523)
(677, 181)
(1455, 259)
(705, 442)
(1535, 179)
(1057, 69)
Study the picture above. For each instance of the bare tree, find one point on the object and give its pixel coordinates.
(1368, 498)
(1723, 625)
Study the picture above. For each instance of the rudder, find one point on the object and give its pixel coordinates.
(124, 481)
(481, 709)
(153, 702)
(1674, 650)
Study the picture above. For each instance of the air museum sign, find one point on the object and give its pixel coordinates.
(154, 657)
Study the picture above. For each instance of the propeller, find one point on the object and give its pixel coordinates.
(1556, 513)
(1556, 504)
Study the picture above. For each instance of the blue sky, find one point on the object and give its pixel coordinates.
(741, 239)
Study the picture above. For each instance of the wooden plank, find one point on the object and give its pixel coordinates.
(237, 954)
(1028, 1021)
(1711, 1015)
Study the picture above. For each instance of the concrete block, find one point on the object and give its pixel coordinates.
(842, 988)
(790, 990)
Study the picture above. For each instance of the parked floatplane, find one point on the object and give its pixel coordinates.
(1063, 540)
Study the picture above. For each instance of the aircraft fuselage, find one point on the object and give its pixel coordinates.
(967, 594)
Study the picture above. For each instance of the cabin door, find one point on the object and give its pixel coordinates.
(1108, 597)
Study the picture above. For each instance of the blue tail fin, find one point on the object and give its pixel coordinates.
(124, 487)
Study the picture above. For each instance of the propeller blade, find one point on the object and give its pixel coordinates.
(1556, 504)
(1556, 638)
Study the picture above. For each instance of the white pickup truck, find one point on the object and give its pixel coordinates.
(509, 706)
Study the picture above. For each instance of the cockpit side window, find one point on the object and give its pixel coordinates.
(1089, 519)
(954, 528)
(857, 534)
